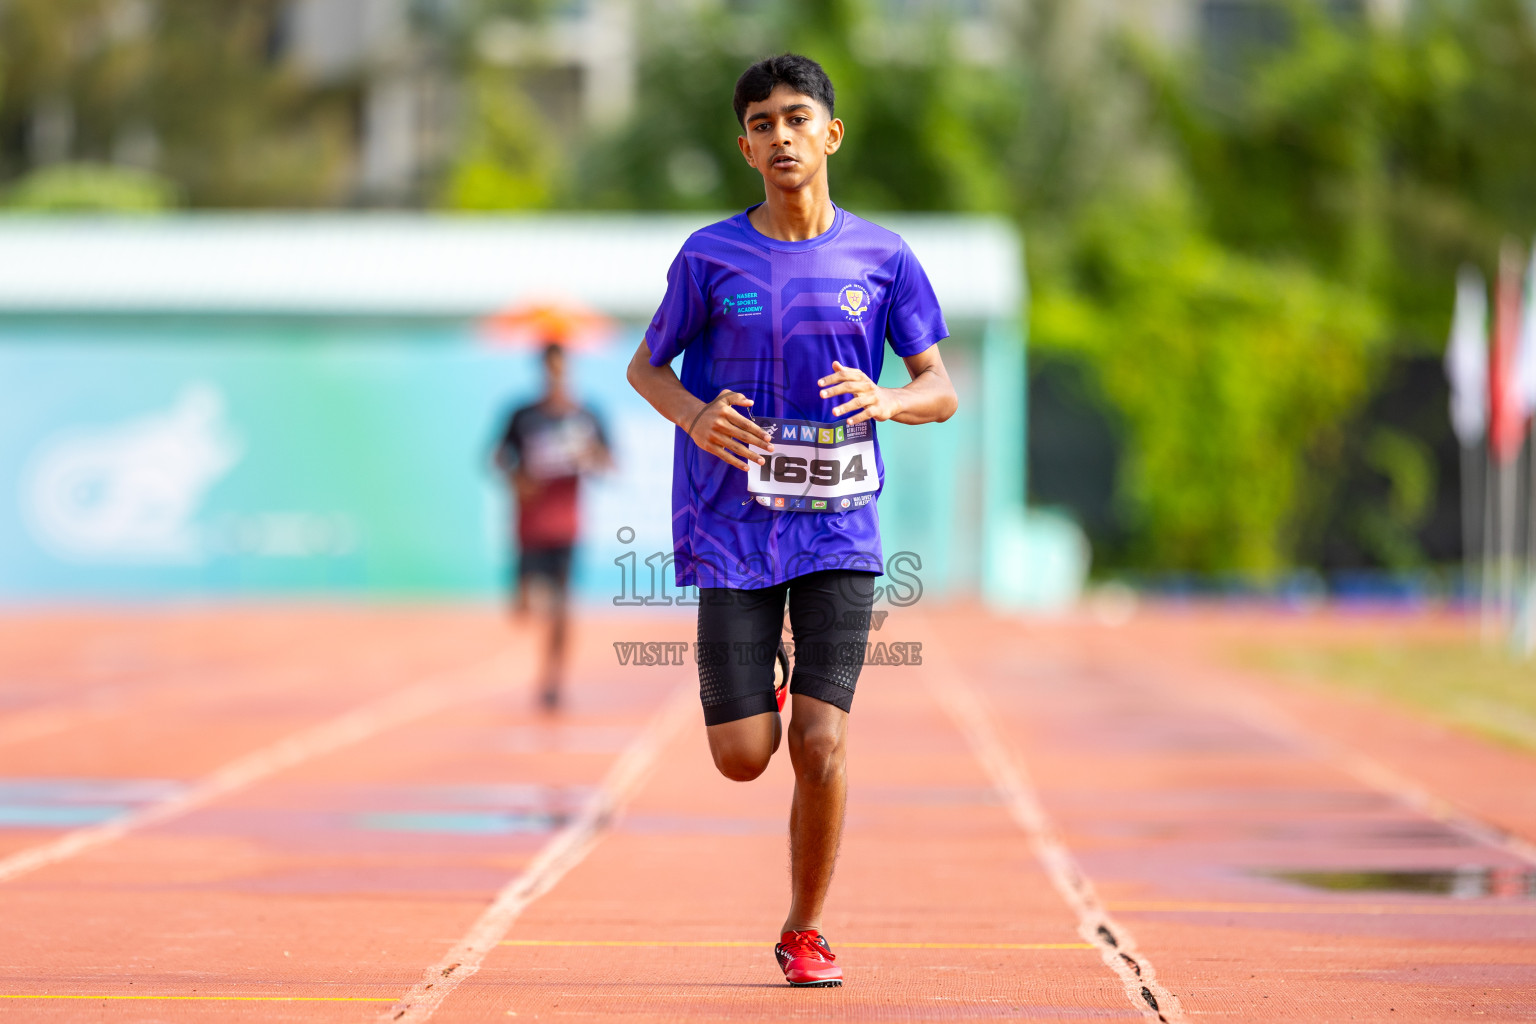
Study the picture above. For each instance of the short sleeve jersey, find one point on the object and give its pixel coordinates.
(767, 318)
(553, 450)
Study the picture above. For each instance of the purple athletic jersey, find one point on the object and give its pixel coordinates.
(767, 318)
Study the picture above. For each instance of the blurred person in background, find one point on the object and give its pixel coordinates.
(545, 449)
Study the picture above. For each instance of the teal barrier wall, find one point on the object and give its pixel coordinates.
(185, 456)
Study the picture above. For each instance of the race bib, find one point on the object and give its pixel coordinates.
(815, 467)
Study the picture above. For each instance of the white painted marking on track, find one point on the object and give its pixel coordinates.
(975, 722)
(422, 698)
(1267, 716)
(564, 851)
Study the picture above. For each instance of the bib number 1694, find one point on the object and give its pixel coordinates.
(791, 469)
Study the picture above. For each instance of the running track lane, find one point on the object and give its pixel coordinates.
(940, 908)
(1187, 792)
(1166, 798)
(326, 882)
(273, 894)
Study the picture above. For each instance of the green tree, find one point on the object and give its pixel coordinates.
(1233, 374)
(1381, 155)
(91, 188)
(194, 91)
(509, 161)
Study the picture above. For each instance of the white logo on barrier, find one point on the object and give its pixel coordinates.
(130, 492)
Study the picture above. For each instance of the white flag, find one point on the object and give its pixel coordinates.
(1524, 383)
(1466, 357)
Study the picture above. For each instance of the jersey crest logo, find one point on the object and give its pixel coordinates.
(853, 300)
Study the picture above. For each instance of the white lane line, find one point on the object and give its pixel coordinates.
(564, 851)
(1262, 713)
(1378, 776)
(431, 694)
(1114, 942)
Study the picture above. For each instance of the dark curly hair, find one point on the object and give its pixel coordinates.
(801, 74)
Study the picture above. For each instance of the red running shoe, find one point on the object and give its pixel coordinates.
(781, 675)
(806, 960)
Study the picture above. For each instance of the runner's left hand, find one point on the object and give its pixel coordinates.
(871, 401)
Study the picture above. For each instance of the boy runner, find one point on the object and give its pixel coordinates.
(783, 312)
(544, 451)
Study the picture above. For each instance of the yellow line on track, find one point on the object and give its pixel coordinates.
(215, 999)
(840, 945)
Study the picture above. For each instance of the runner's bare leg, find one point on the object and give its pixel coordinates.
(818, 749)
(742, 748)
(554, 655)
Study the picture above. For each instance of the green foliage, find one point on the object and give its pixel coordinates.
(91, 188)
(1475, 688)
(679, 149)
(1384, 155)
(1345, 171)
(235, 129)
(1386, 528)
(509, 162)
(186, 87)
(1231, 374)
(927, 133)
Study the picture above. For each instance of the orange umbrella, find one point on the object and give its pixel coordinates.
(536, 324)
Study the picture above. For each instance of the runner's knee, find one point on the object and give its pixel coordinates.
(742, 749)
(817, 751)
(740, 765)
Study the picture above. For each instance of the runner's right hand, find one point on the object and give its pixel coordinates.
(724, 432)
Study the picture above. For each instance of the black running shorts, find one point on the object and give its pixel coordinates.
(739, 632)
(552, 564)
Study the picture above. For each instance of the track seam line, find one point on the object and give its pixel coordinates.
(1116, 945)
(1266, 715)
(566, 849)
(424, 697)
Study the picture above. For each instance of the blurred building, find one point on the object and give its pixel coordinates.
(407, 59)
(1214, 25)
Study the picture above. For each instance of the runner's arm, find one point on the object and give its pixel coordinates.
(714, 426)
(600, 454)
(928, 398)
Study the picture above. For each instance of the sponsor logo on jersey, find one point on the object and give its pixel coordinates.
(742, 304)
(845, 503)
(818, 504)
(778, 502)
(763, 499)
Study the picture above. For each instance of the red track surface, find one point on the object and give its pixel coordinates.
(315, 842)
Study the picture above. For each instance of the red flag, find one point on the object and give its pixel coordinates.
(1507, 411)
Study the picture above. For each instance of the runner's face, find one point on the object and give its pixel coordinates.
(788, 138)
